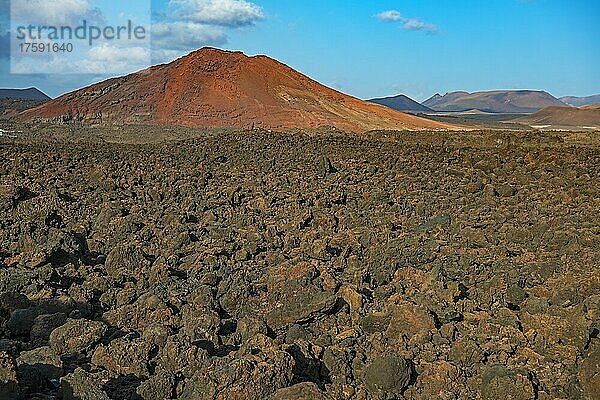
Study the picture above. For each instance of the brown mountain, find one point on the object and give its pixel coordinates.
(437, 99)
(581, 101)
(498, 101)
(401, 103)
(587, 116)
(23, 94)
(215, 88)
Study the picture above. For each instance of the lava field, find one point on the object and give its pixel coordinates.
(305, 265)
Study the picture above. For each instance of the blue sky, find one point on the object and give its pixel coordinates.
(379, 48)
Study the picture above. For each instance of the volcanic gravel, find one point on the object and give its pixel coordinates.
(315, 265)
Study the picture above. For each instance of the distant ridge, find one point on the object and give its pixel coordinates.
(590, 107)
(216, 88)
(23, 94)
(498, 101)
(586, 116)
(581, 101)
(401, 103)
(438, 99)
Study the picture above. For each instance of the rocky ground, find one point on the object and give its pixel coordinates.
(9, 108)
(255, 265)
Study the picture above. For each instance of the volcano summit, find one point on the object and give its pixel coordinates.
(216, 88)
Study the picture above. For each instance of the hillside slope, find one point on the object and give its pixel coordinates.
(215, 88)
(588, 116)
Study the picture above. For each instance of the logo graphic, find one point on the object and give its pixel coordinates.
(79, 36)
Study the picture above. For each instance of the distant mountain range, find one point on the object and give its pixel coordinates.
(401, 103)
(23, 94)
(581, 101)
(498, 101)
(541, 108)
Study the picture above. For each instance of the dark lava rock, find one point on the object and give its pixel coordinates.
(307, 366)
(303, 304)
(498, 382)
(158, 387)
(506, 190)
(13, 280)
(43, 325)
(376, 322)
(147, 310)
(250, 327)
(179, 356)
(10, 301)
(125, 260)
(37, 367)
(81, 385)
(443, 221)
(589, 376)
(296, 332)
(300, 391)
(336, 361)
(21, 321)
(325, 167)
(201, 325)
(76, 335)
(248, 378)
(466, 353)
(9, 388)
(124, 357)
(515, 295)
(389, 375)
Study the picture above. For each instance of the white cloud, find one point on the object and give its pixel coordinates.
(100, 59)
(55, 12)
(390, 15)
(171, 40)
(187, 25)
(185, 35)
(114, 58)
(161, 56)
(230, 13)
(411, 24)
(183, 26)
(109, 53)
